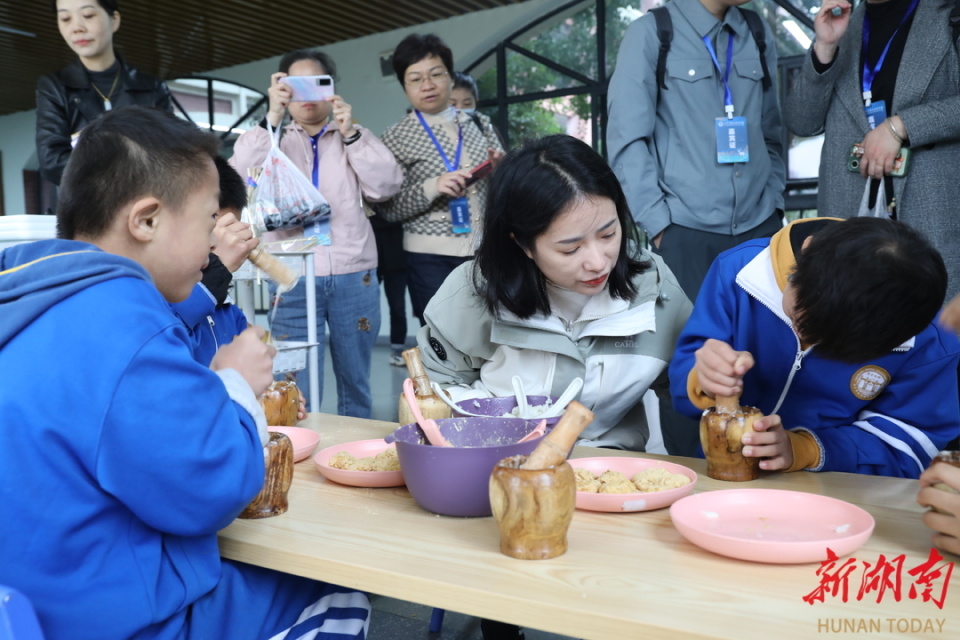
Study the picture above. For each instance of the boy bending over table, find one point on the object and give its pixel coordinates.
(120, 455)
(828, 329)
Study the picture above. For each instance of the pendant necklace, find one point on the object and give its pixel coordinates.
(107, 105)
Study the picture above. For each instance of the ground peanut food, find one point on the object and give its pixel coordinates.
(386, 460)
(647, 481)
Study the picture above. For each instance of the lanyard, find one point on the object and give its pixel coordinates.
(436, 143)
(727, 95)
(315, 176)
(869, 73)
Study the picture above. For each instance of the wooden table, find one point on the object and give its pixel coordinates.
(625, 575)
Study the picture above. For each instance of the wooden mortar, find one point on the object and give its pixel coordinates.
(430, 405)
(281, 402)
(533, 497)
(721, 432)
(278, 474)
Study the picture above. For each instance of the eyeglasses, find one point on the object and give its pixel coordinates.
(435, 77)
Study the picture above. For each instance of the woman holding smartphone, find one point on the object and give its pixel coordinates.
(345, 162)
(97, 81)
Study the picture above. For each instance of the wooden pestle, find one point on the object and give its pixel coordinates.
(431, 406)
(555, 446)
(285, 277)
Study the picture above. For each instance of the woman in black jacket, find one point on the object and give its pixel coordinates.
(98, 80)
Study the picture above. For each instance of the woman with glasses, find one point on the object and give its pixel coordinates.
(437, 146)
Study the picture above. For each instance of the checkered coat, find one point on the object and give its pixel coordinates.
(426, 221)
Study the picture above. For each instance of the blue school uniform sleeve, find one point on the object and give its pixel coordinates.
(908, 423)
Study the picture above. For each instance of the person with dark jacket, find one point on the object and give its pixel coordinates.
(97, 81)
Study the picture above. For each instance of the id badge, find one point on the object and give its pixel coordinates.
(876, 113)
(460, 215)
(732, 140)
(321, 231)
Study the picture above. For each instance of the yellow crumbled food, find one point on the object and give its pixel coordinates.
(615, 482)
(659, 479)
(384, 461)
(586, 480)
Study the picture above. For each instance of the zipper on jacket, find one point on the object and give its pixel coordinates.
(797, 360)
(212, 332)
(797, 363)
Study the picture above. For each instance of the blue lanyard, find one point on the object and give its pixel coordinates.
(870, 73)
(316, 157)
(727, 95)
(436, 143)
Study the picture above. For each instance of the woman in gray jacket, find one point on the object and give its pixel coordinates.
(908, 63)
(560, 289)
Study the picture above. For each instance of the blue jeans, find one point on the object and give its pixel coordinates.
(349, 305)
(425, 273)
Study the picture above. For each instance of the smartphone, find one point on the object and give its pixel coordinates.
(479, 172)
(309, 88)
(901, 164)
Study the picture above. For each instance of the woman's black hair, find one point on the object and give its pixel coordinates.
(864, 286)
(462, 80)
(325, 61)
(110, 6)
(416, 47)
(531, 187)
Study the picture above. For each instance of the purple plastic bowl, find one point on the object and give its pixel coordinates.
(499, 407)
(455, 481)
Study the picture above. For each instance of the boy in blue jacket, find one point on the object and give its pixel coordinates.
(828, 329)
(209, 313)
(120, 455)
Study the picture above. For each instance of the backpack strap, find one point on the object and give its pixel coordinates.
(665, 34)
(760, 38)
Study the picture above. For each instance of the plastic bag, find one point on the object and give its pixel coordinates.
(284, 197)
(879, 209)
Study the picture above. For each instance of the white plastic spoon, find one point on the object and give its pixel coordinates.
(450, 403)
(568, 394)
(522, 409)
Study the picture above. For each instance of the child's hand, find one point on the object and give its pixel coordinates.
(950, 317)
(235, 241)
(769, 440)
(302, 407)
(250, 356)
(946, 525)
(720, 369)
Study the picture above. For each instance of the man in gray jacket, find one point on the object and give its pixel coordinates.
(701, 159)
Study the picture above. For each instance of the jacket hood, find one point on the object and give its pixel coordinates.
(36, 276)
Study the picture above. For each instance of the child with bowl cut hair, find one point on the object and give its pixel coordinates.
(125, 476)
(828, 329)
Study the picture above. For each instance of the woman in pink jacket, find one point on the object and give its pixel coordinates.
(347, 164)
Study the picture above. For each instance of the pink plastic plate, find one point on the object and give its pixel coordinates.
(626, 502)
(358, 449)
(771, 525)
(304, 440)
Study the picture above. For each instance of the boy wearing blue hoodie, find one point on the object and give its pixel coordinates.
(120, 455)
(211, 317)
(828, 329)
